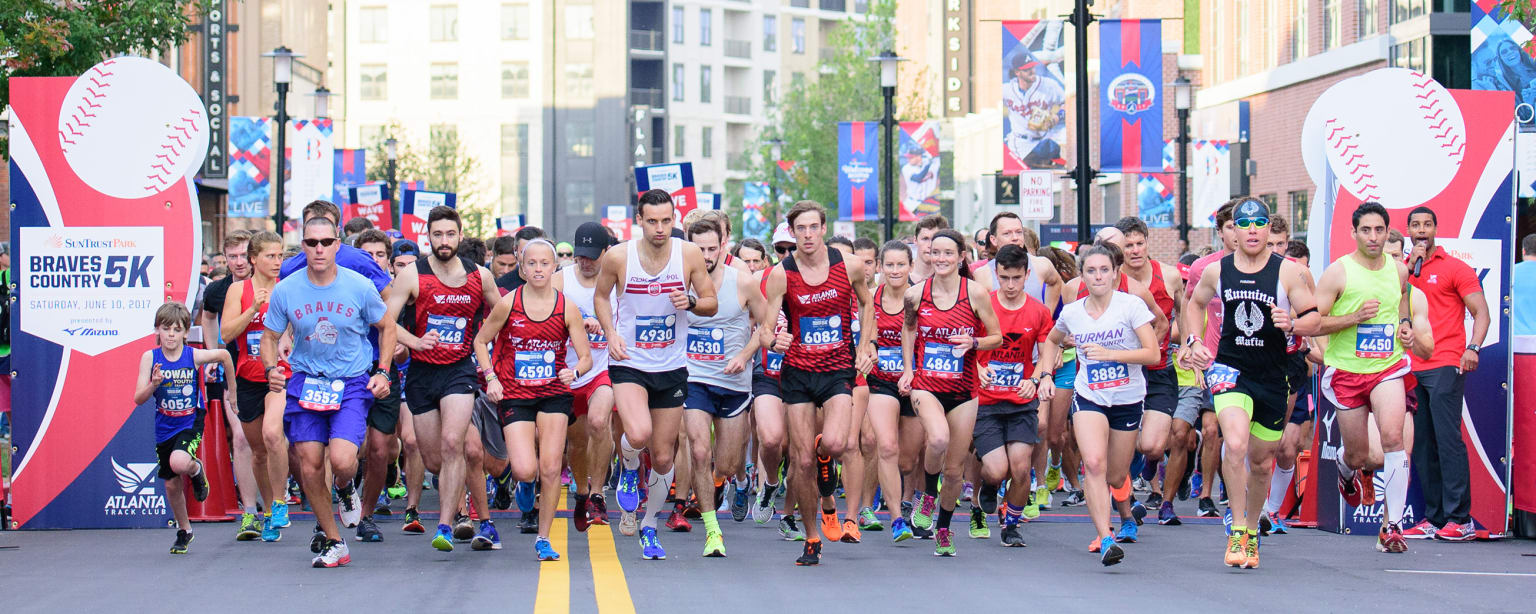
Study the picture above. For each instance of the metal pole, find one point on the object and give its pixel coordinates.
(1084, 173)
(1184, 176)
(394, 207)
(889, 175)
(282, 132)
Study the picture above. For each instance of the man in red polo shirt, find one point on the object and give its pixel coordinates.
(1439, 455)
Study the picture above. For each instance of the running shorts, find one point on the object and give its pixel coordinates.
(426, 384)
(1263, 397)
(250, 400)
(1005, 423)
(583, 395)
(488, 419)
(525, 410)
(187, 440)
(763, 385)
(1348, 390)
(348, 421)
(904, 402)
(1162, 390)
(716, 401)
(384, 416)
(666, 390)
(814, 387)
(1121, 417)
(1192, 401)
(949, 401)
(1066, 375)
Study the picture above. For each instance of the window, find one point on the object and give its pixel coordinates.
(375, 80)
(677, 82)
(677, 25)
(1403, 10)
(578, 80)
(1333, 26)
(514, 22)
(514, 167)
(797, 34)
(1409, 55)
(708, 140)
(770, 83)
(578, 198)
(1271, 201)
(796, 79)
(1218, 41)
(1368, 12)
(800, 4)
(1112, 201)
(1300, 214)
(445, 80)
(679, 145)
(373, 24)
(1299, 31)
(706, 25)
(514, 80)
(578, 138)
(770, 33)
(514, 139)
(370, 135)
(443, 132)
(704, 75)
(1271, 35)
(1241, 16)
(443, 23)
(578, 22)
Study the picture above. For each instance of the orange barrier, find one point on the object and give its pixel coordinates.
(214, 454)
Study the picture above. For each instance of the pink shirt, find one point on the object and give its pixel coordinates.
(1213, 312)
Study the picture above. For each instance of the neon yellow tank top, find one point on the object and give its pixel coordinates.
(1371, 347)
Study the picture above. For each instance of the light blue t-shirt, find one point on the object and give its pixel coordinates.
(1523, 293)
(330, 323)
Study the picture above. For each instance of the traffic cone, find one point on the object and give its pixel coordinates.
(214, 454)
(1307, 516)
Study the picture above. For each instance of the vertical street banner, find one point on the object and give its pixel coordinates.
(1034, 95)
(414, 209)
(105, 227)
(676, 179)
(754, 201)
(1035, 197)
(351, 169)
(250, 166)
(1130, 95)
(420, 184)
(1210, 167)
(311, 163)
(1501, 61)
(919, 147)
(1155, 192)
(858, 176)
(367, 201)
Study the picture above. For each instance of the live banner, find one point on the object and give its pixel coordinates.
(1130, 95)
(105, 227)
(858, 179)
(368, 201)
(676, 179)
(250, 166)
(416, 206)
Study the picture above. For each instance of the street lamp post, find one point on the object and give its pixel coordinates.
(282, 76)
(322, 96)
(389, 153)
(1084, 173)
(1181, 101)
(888, 61)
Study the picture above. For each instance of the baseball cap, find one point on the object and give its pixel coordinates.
(404, 247)
(1250, 208)
(591, 239)
(781, 234)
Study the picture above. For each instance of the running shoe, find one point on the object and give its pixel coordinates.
(1424, 530)
(677, 522)
(412, 522)
(269, 532)
(850, 532)
(599, 509)
(1251, 552)
(1184, 488)
(1053, 478)
(968, 492)
(1096, 546)
(1367, 487)
(1011, 537)
(463, 528)
(1457, 532)
(1154, 500)
(295, 493)
(1110, 552)
(1265, 524)
(351, 509)
(921, 533)
(988, 498)
(830, 528)
(1042, 498)
(524, 494)
(544, 551)
(740, 503)
(1075, 498)
(397, 491)
(628, 492)
(650, 547)
(826, 474)
(333, 555)
(368, 530)
(280, 515)
(1237, 546)
(1278, 525)
(444, 539)
(528, 524)
(790, 529)
(1140, 484)
(868, 521)
(691, 509)
(714, 545)
(199, 483)
(900, 532)
(1222, 492)
(249, 528)
(501, 494)
(1226, 520)
(1166, 516)
(812, 554)
(1208, 508)
(183, 539)
(580, 513)
(487, 538)
(317, 540)
(979, 528)
(922, 517)
(1127, 534)
(1350, 489)
(763, 508)
(1195, 480)
(628, 524)
(1390, 539)
(1138, 511)
(381, 507)
(942, 546)
(1031, 511)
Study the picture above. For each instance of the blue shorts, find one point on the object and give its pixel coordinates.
(1121, 417)
(1066, 374)
(716, 401)
(348, 422)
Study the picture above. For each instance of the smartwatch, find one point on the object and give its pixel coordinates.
(1474, 347)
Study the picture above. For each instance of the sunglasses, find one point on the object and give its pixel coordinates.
(320, 242)
(565, 254)
(1252, 222)
(783, 250)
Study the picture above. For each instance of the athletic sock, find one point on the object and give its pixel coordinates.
(656, 499)
(630, 456)
(711, 523)
(1345, 471)
(931, 484)
(252, 510)
(506, 474)
(944, 516)
(1279, 483)
(1395, 471)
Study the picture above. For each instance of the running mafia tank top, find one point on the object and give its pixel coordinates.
(530, 354)
(451, 311)
(941, 367)
(179, 395)
(1250, 344)
(888, 361)
(714, 340)
(1371, 347)
(772, 362)
(248, 365)
(818, 317)
(582, 296)
(653, 327)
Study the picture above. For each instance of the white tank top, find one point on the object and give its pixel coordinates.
(582, 297)
(1035, 284)
(714, 340)
(652, 327)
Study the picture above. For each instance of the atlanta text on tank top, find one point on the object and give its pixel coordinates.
(179, 395)
(771, 361)
(714, 340)
(530, 353)
(449, 310)
(581, 296)
(888, 360)
(941, 367)
(653, 327)
(818, 316)
(1250, 343)
(248, 365)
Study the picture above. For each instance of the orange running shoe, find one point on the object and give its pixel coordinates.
(851, 534)
(830, 528)
(1367, 487)
(1251, 552)
(1093, 546)
(1237, 546)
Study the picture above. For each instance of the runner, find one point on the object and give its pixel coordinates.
(1258, 290)
(1299, 380)
(404, 255)
(247, 478)
(814, 288)
(852, 461)
(383, 445)
(530, 379)
(752, 252)
(328, 309)
(925, 228)
(592, 433)
(447, 292)
(245, 308)
(1167, 289)
(650, 379)
(897, 431)
(1210, 431)
(770, 432)
(1059, 407)
(861, 463)
(939, 373)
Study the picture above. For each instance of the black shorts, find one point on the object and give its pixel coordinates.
(716, 401)
(1005, 423)
(384, 415)
(666, 390)
(186, 440)
(1267, 392)
(949, 401)
(1305, 408)
(1296, 371)
(525, 410)
(1121, 417)
(882, 387)
(250, 400)
(426, 384)
(1162, 390)
(763, 385)
(814, 387)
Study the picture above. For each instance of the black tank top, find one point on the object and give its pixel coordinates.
(1249, 340)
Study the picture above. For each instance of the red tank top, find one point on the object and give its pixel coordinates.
(888, 362)
(938, 369)
(531, 353)
(449, 310)
(1014, 360)
(248, 364)
(1082, 288)
(1165, 303)
(818, 317)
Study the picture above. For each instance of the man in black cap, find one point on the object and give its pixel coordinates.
(404, 254)
(512, 280)
(591, 439)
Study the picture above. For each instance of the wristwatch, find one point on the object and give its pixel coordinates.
(383, 372)
(1034, 380)
(692, 302)
(1474, 347)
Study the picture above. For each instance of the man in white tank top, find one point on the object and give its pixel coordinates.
(651, 277)
(591, 438)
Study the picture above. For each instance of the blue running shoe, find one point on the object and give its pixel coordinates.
(525, 496)
(1194, 482)
(1138, 511)
(1110, 552)
(487, 538)
(1127, 534)
(545, 551)
(651, 547)
(1226, 520)
(740, 504)
(1277, 525)
(269, 532)
(900, 532)
(1166, 515)
(280, 515)
(628, 492)
(444, 538)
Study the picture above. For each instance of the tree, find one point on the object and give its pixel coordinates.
(445, 165)
(59, 38)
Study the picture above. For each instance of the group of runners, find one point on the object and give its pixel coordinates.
(904, 378)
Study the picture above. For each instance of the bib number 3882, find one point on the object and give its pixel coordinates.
(1103, 375)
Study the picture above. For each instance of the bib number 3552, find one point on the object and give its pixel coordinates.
(321, 394)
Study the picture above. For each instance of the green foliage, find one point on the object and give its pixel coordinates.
(446, 166)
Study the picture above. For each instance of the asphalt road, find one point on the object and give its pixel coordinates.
(1170, 569)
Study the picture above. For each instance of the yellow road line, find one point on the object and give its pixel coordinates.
(555, 576)
(608, 583)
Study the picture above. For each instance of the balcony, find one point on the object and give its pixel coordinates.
(651, 97)
(738, 105)
(738, 49)
(647, 40)
(834, 5)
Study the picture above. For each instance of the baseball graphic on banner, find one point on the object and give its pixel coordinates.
(130, 128)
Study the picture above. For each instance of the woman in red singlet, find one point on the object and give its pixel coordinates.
(897, 432)
(260, 413)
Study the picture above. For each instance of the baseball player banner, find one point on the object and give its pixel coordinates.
(250, 166)
(1155, 192)
(351, 169)
(1211, 181)
(106, 227)
(919, 144)
(676, 179)
(858, 178)
(1421, 144)
(311, 163)
(416, 206)
(754, 199)
(1131, 92)
(1034, 96)
(367, 201)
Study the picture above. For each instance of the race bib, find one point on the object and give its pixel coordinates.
(706, 344)
(176, 401)
(1006, 375)
(942, 360)
(1220, 378)
(889, 359)
(1375, 340)
(1103, 375)
(655, 332)
(597, 340)
(321, 394)
(534, 367)
(773, 362)
(821, 333)
(449, 329)
(253, 344)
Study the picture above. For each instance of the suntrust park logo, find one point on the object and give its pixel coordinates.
(137, 481)
(59, 242)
